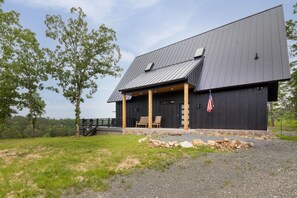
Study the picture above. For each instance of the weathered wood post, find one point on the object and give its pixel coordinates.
(124, 119)
(150, 109)
(186, 106)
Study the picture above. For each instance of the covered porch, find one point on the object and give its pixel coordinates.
(167, 85)
(181, 87)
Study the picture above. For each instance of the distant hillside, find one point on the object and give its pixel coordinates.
(19, 127)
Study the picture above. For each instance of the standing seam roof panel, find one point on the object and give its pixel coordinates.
(276, 48)
(239, 68)
(283, 42)
(259, 49)
(166, 74)
(267, 55)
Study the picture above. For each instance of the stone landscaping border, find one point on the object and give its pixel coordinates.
(210, 132)
(224, 144)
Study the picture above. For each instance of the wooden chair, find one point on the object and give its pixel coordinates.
(157, 122)
(142, 122)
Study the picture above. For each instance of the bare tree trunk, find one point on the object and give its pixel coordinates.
(295, 113)
(272, 118)
(1, 129)
(31, 115)
(77, 114)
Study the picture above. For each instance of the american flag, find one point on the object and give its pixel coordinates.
(210, 105)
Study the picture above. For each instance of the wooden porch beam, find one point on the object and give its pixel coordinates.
(186, 106)
(150, 109)
(124, 119)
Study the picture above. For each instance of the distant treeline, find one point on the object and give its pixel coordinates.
(19, 127)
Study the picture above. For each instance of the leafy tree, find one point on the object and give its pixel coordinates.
(81, 56)
(36, 109)
(22, 68)
(31, 72)
(8, 83)
(291, 29)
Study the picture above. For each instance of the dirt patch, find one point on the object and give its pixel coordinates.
(127, 164)
(8, 155)
(91, 162)
(86, 165)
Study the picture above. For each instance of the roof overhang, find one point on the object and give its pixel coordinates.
(165, 76)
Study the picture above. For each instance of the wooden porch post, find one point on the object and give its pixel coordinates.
(150, 108)
(124, 119)
(186, 106)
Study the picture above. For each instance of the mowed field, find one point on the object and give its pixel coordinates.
(50, 167)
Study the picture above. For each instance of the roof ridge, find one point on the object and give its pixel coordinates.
(211, 30)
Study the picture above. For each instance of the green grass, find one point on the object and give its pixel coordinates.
(284, 125)
(288, 137)
(52, 166)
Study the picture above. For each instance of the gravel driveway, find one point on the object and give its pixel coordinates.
(269, 169)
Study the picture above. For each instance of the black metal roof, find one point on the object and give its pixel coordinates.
(230, 54)
(164, 75)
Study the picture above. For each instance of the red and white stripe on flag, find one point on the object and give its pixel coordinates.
(210, 103)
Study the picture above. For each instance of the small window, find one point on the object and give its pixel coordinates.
(149, 67)
(199, 52)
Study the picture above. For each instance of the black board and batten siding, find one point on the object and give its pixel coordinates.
(234, 109)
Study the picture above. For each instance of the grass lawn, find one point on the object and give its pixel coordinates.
(288, 137)
(52, 166)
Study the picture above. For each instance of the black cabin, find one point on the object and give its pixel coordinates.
(239, 63)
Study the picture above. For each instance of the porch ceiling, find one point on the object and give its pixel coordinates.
(171, 88)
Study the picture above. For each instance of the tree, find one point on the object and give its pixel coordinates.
(291, 29)
(81, 56)
(22, 67)
(8, 83)
(36, 110)
(31, 72)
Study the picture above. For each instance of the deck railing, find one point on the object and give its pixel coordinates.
(106, 122)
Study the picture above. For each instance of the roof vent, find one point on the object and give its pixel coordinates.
(149, 67)
(199, 52)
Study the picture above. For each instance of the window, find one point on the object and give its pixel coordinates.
(149, 67)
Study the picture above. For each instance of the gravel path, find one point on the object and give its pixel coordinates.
(269, 169)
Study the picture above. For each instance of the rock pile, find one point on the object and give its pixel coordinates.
(223, 145)
(227, 144)
(158, 143)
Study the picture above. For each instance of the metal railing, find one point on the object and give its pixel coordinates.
(106, 122)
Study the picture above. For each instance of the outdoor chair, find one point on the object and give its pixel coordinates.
(142, 122)
(157, 122)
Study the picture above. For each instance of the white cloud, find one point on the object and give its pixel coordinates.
(94, 9)
(107, 11)
(165, 31)
(142, 3)
(127, 57)
(154, 40)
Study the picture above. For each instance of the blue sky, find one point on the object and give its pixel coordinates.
(141, 26)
